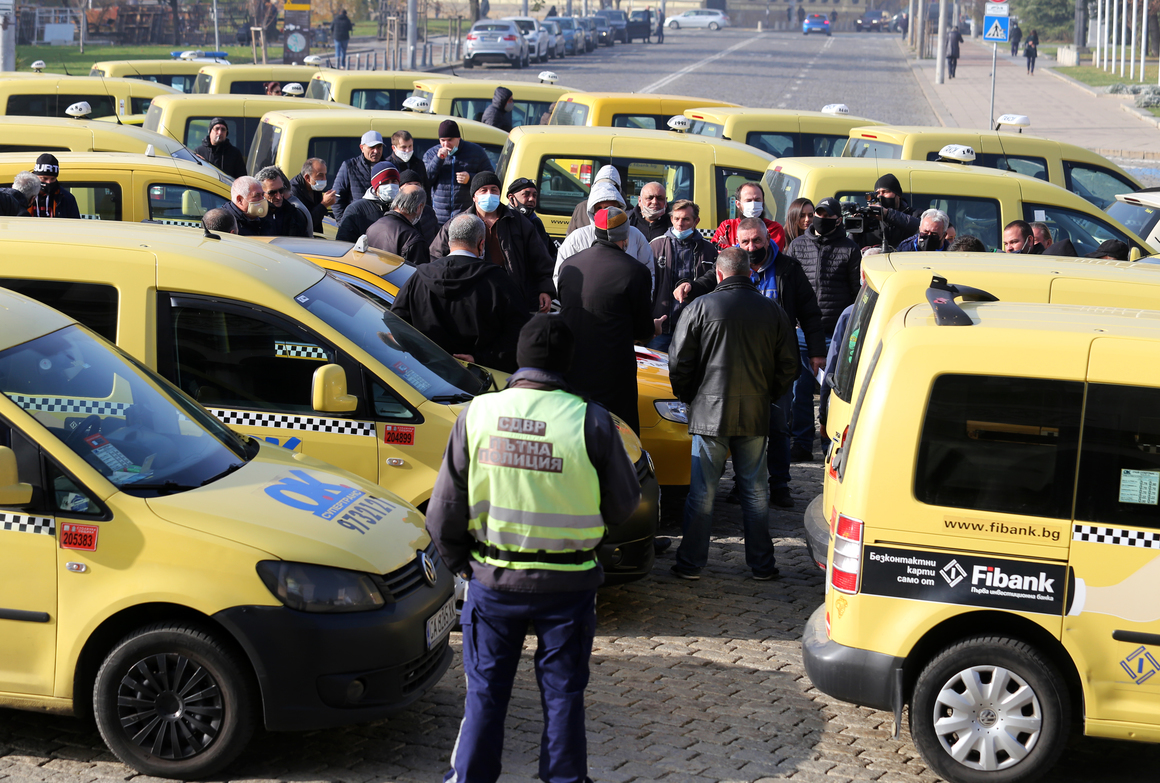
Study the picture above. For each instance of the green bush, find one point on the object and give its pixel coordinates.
(1053, 19)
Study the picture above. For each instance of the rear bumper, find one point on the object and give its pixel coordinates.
(627, 554)
(493, 57)
(817, 532)
(856, 676)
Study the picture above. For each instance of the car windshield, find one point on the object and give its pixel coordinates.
(566, 24)
(401, 348)
(526, 26)
(143, 435)
(1139, 219)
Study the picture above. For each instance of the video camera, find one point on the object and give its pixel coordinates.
(854, 216)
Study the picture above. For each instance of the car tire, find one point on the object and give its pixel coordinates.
(1031, 711)
(714, 26)
(675, 26)
(468, 64)
(150, 728)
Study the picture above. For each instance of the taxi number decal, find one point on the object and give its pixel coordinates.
(83, 537)
(399, 435)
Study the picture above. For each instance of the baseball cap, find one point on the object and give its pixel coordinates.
(371, 139)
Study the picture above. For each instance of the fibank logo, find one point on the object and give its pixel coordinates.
(996, 577)
(953, 573)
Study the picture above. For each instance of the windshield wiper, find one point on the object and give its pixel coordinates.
(234, 467)
(453, 398)
(164, 487)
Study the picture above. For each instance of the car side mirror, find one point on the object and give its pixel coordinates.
(328, 391)
(1134, 254)
(12, 492)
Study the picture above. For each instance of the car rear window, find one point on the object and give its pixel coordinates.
(872, 148)
(569, 113)
(491, 28)
(781, 189)
(320, 89)
(202, 85)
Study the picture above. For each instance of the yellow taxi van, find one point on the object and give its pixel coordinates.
(53, 134)
(179, 74)
(894, 282)
(469, 97)
(994, 564)
(49, 96)
(286, 138)
(246, 79)
(563, 163)
(187, 117)
(664, 423)
(979, 200)
(782, 133)
(624, 109)
(1080, 170)
(278, 349)
(376, 90)
(120, 186)
(155, 566)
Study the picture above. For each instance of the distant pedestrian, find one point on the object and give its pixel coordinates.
(499, 113)
(1016, 36)
(789, 14)
(647, 25)
(340, 28)
(954, 38)
(801, 12)
(217, 150)
(732, 356)
(661, 26)
(903, 24)
(14, 201)
(1031, 51)
(53, 200)
(834, 19)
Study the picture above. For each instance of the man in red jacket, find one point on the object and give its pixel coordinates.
(750, 202)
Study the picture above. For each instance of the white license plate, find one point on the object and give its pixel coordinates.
(440, 623)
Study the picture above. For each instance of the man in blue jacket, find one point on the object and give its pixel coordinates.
(450, 167)
(354, 175)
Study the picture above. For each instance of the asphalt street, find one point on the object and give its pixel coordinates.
(691, 681)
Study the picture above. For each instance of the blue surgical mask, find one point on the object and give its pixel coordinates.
(488, 202)
(681, 234)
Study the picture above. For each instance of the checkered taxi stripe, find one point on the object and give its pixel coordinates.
(290, 422)
(70, 405)
(1117, 536)
(23, 523)
(300, 351)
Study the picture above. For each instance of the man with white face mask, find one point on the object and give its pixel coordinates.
(375, 203)
(248, 205)
(404, 157)
(512, 243)
(650, 216)
(309, 187)
(749, 202)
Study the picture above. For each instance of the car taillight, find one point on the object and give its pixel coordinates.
(586, 173)
(510, 38)
(846, 563)
(472, 37)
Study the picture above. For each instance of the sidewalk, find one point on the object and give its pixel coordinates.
(1059, 109)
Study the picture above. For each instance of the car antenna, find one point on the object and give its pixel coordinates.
(208, 234)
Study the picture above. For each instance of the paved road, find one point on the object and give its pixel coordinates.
(691, 681)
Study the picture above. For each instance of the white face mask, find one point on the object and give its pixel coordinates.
(752, 208)
(388, 192)
(318, 185)
(403, 156)
(258, 209)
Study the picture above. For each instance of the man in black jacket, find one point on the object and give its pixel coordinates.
(682, 255)
(340, 28)
(309, 187)
(832, 263)
(651, 214)
(512, 244)
(606, 299)
(733, 354)
(427, 224)
(384, 186)
(403, 156)
(466, 305)
(523, 196)
(499, 113)
(217, 150)
(249, 207)
(354, 175)
(14, 201)
(285, 217)
(53, 200)
(395, 231)
(900, 220)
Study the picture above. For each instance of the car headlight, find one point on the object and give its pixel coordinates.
(315, 588)
(673, 410)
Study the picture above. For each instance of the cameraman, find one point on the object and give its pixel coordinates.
(901, 221)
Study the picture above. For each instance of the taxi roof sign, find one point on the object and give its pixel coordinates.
(957, 153)
(417, 103)
(548, 77)
(835, 108)
(680, 123)
(1019, 121)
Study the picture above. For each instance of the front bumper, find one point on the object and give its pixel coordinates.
(316, 671)
(627, 553)
(862, 677)
(817, 532)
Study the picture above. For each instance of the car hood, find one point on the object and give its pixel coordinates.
(301, 509)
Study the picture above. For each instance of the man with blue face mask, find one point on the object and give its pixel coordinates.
(681, 255)
(512, 243)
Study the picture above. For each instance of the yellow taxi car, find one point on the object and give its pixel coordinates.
(469, 97)
(187, 117)
(376, 90)
(1080, 170)
(894, 282)
(782, 133)
(624, 109)
(285, 138)
(564, 161)
(123, 186)
(246, 79)
(52, 134)
(50, 95)
(995, 559)
(980, 201)
(664, 430)
(178, 73)
(155, 567)
(278, 349)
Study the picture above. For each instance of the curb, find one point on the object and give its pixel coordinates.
(1143, 115)
(936, 105)
(1078, 84)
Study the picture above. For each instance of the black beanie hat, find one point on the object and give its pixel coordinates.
(889, 182)
(218, 121)
(546, 343)
(484, 178)
(449, 129)
(47, 165)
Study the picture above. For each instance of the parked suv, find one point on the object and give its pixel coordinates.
(535, 33)
(496, 41)
(874, 21)
(619, 21)
(604, 32)
(994, 562)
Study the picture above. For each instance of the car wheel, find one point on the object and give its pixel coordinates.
(172, 701)
(990, 710)
(714, 26)
(468, 64)
(675, 26)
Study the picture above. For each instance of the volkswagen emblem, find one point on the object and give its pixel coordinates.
(428, 565)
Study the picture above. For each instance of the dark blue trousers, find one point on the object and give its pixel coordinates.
(494, 626)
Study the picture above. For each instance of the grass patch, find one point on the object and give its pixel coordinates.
(68, 59)
(1098, 77)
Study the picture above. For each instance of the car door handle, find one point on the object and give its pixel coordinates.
(1135, 637)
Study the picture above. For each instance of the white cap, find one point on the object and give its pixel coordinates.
(371, 139)
(294, 90)
(679, 123)
(548, 77)
(958, 153)
(835, 108)
(80, 109)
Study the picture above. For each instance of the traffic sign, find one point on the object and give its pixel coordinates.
(996, 9)
(995, 28)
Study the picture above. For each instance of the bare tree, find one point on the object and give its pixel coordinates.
(175, 6)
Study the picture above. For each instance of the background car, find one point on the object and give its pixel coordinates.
(589, 32)
(535, 34)
(619, 21)
(816, 22)
(874, 21)
(573, 34)
(604, 32)
(640, 25)
(496, 41)
(700, 17)
(556, 44)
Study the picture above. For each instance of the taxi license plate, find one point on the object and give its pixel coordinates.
(440, 623)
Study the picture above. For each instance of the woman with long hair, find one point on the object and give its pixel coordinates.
(797, 218)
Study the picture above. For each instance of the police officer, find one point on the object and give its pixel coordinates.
(532, 477)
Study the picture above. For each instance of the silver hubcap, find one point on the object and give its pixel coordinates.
(987, 718)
